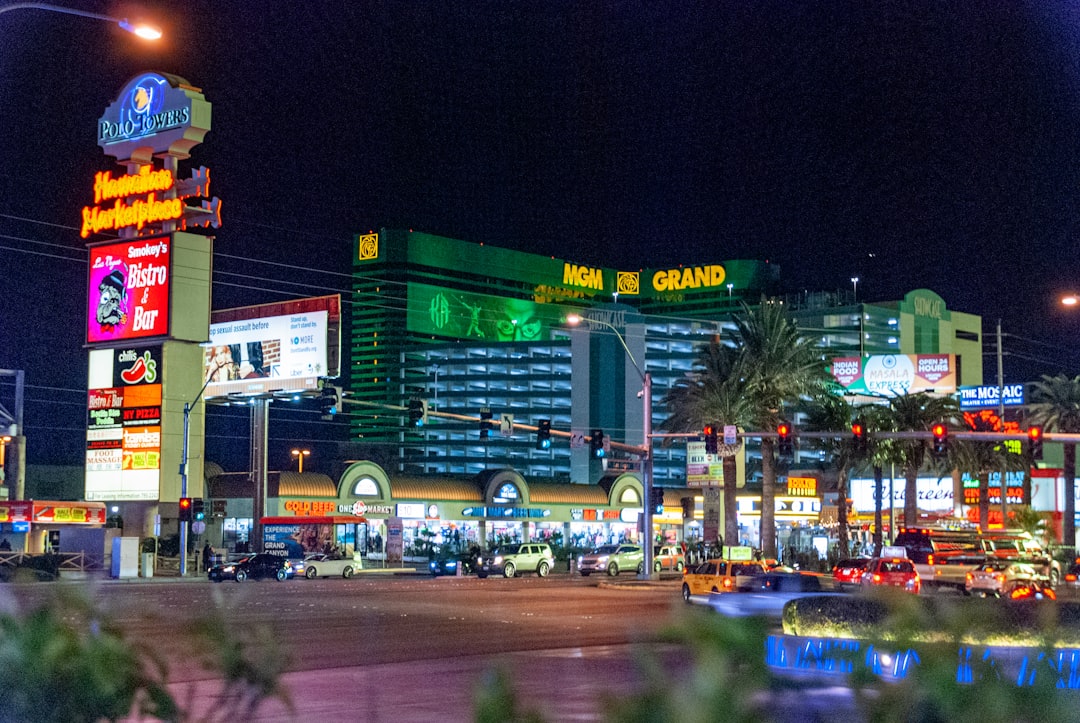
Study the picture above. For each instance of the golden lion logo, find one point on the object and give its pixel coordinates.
(628, 282)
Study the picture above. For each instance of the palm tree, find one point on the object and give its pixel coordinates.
(911, 413)
(828, 412)
(780, 366)
(1032, 522)
(710, 394)
(1056, 406)
(979, 459)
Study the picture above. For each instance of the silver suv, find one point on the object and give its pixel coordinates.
(512, 560)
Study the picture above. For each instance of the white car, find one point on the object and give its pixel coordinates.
(319, 565)
(766, 595)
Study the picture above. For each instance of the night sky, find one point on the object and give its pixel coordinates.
(921, 144)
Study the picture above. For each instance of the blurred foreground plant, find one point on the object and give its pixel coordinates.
(66, 661)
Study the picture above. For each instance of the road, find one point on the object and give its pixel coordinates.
(410, 648)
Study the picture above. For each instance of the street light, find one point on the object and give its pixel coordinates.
(300, 454)
(645, 451)
(855, 287)
(143, 30)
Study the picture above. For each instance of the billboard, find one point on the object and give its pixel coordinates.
(128, 291)
(123, 424)
(262, 349)
(896, 374)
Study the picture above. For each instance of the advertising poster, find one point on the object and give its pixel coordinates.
(461, 315)
(703, 469)
(896, 374)
(254, 356)
(299, 540)
(128, 292)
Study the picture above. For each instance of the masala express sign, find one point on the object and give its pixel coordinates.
(895, 374)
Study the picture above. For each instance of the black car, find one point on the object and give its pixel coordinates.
(451, 564)
(255, 567)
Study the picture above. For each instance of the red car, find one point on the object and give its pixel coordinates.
(848, 573)
(892, 571)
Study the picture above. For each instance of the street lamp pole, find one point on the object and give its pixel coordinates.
(644, 451)
(139, 29)
(300, 454)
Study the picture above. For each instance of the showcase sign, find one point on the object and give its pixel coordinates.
(129, 283)
(896, 374)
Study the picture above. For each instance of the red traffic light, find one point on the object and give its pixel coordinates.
(857, 429)
(185, 503)
(783, 429)
(1035, 433)
(939, 430)
(709, 430)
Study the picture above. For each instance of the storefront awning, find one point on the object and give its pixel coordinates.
(435, 489)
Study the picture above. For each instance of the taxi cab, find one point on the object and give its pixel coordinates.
(718, 576)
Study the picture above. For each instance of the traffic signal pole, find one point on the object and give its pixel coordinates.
(184, 467)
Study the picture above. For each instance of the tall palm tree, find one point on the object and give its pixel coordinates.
(780, 366)
(1056, 406)
(911, 413)
(979, 459)
(711, 394)
(829, 412)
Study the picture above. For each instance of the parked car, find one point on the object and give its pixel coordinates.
(848, 573)
(452, 564)
(320, 565)
(767, 594)
(991, 578)
(893, 572)
(255, 567)
(718, 576)
(512, 560)
(668, 557)
(613, 559)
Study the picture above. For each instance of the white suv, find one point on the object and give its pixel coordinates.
(512, 560)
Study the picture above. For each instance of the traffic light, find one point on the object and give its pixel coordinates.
(656, 499)
(418, 412)
(785, 446)
(596, 443)
(198, 509)
(710, 439)
(858, 438)
(1035, 442)
(184, 506)
(543, 434)
(941, 438)
(330, 402)
(485, 423)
